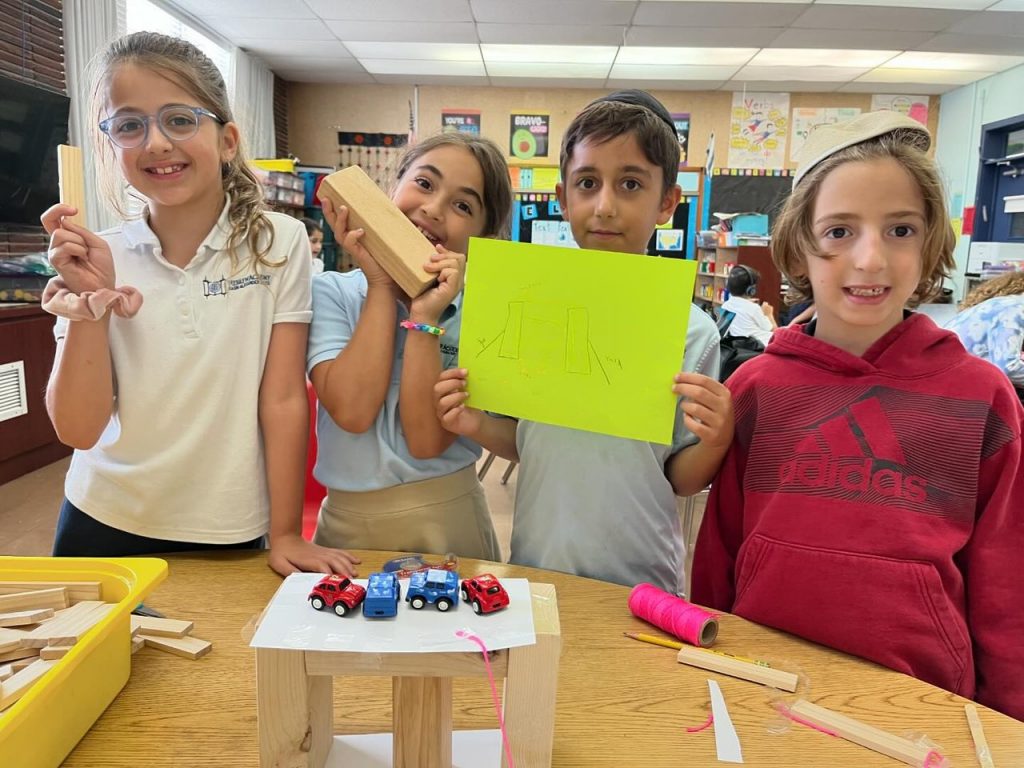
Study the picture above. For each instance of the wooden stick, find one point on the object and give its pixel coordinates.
(148, 625)
(77, 590)
(137, 643)
(978, 734)
(14, 687)
(40, 598)
(6, 670)
(189, 647)
(23, 618)
(868, 736)
(716, 661)
(54, 652)
(71, 177)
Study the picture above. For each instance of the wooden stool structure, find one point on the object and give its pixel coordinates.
(294, 697)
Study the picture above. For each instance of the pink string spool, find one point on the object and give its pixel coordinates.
(674, 615)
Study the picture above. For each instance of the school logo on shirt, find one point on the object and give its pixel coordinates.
(225, 285)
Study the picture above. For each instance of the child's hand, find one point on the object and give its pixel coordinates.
(707, 408)
(289, 554)
(450, 397)
(350, 241)
(82, 258)
(450, 268)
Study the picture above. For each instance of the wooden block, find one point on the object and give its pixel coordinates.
(394, 241)
(23, 618)
(71, 177)
(868, 736)
(422, 716)
(6, 670)
(189, 647)
(137, 643)
(20, 664)
(18, 654)
(716, 661)
(14, 687)
(294, 711)
(56, 597)
(54, 652)
(77, 590)
(12, 640)
(148, 625)
(69, 626)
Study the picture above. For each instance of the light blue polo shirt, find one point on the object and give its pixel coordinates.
(378, 458)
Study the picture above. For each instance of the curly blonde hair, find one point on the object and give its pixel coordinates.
(793, 238)
(1010, 284)
(186, 66)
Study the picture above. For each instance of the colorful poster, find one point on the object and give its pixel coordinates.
(544, 339)
(758, 130)
(806, 119)
(528, 136)
(913, 106)
(681, 120)
(460, 121)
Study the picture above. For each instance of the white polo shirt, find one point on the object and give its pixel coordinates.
(750, 320)
(182, 456)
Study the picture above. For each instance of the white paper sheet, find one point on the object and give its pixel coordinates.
(291, 622)
(470, 749)
(727, 742)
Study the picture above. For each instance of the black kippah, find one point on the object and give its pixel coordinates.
(640, 98)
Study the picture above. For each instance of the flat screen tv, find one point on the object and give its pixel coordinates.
(33, 121)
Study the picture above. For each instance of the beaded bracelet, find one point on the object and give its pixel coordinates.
(409, 325)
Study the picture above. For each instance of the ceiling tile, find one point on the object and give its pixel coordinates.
(322, 76)
(812, 74)
(879, 39)
(975, 62)
(974, 44)
(548, 82)
(1008, 5)
(702, 37)
(992, 23)
(551, 34)
(254, 9)
(551, 54)
(703, 14)
(333, 49)
(670, 85)
(421, 51)
(453, 81)
(818, 57)
(593, 11)
(664, 56)
(406, 10)
(844, 17)
(636, 72)
(542, 69)
(915, 89)
(424, 67)
(269, 29)
(312, 62)
(945, 76)
(778, 86)
(962, 5)
(403, 32)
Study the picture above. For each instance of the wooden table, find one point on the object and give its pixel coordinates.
(621, 703)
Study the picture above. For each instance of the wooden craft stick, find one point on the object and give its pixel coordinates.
(978, 734)
(148, 625)
(394, 241)
(137, 643)
(189, 647)
(77, 590)
(55, 598)
(14, 687)
(54, 652)
(24, 618)
(716, 661)
(71, 177)
(868, 736)
(68, 627)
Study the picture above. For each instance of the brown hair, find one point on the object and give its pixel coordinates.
(1004, 285)
(603, 121)
(497, 182)
(793, 238)
(187, 66)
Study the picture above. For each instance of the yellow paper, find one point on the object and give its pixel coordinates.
(545, 179)
(576, 338)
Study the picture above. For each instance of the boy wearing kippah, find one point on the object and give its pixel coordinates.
(595, 505)
(871, 500)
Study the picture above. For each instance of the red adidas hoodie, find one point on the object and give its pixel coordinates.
(875, 505)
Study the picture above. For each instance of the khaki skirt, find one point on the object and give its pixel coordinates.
(436, 516)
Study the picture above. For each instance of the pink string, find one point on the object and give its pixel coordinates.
(699, 728)
(494, 691)
(671, 614)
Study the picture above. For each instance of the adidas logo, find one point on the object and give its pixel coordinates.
(853, 474)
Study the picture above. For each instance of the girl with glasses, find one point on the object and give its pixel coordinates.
(181, 335)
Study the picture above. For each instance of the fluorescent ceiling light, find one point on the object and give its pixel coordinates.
(656, 56)
(948, 76)
(973, 62)
(670, 72)
(806, 74)
(422, 51)
(551, 54)
(545, 69)
(815, 57)
(413, 67)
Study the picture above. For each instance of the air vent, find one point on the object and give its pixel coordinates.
(12, 390)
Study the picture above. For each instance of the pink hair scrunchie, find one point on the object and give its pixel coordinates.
(92, 305)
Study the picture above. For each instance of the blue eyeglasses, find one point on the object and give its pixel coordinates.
(176, 122)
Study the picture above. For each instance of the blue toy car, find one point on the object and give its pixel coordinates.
(434, 586)
(382, 595)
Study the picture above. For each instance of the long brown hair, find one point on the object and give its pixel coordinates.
(1011, 284)
(191, 69)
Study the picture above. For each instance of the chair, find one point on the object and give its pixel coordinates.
(487, 465)
(725, 318)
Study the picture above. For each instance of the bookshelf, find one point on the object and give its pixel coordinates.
(714, 263)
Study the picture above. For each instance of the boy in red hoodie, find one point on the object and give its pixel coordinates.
(873, 497)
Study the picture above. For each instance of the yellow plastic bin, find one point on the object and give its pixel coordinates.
(45, 725)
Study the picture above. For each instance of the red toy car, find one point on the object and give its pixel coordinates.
(337, 593)
(484, 593)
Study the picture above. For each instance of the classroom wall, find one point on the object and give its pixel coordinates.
(318, 111)
(964, 112)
